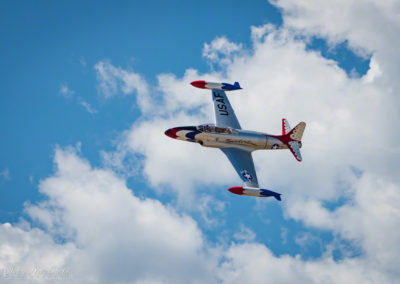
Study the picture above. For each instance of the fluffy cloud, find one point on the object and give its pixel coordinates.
(348, 120)
(87, 106)
(369, 27)
(27, 246)
(350, 149)
(369, 220)
(220, 50)
(66, 91)
(254, 263)
(112, 80)
(94, 227)
(5, 174)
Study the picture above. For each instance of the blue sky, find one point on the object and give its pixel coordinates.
(85, 81)
(53, 43)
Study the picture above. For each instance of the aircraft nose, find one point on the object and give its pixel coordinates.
(170, 133)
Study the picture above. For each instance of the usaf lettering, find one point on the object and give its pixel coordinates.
(221, 104)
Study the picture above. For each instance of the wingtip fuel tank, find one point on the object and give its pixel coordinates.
(220, 86)
(260, 192)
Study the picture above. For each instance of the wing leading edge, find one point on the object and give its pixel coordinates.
(224, 114)
(243, 163)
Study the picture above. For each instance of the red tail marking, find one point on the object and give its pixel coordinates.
(283, 127)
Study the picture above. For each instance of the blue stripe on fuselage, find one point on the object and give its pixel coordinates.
(191, 135)
(186, 128)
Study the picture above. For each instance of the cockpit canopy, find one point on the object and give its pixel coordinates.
(210, 128)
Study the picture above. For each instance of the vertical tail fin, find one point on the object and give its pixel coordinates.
(293, 137)
(285, 126)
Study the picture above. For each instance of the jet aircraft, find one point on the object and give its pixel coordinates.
(237, 144)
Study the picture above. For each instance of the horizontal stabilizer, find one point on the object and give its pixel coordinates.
(294, 147)
(297, 132)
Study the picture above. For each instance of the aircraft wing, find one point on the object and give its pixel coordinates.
(224, 114)
(242, 161)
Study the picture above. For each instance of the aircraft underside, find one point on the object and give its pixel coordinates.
(238, 144)
(210, 136)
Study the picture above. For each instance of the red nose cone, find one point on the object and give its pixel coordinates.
(199, 84)
(237, 190)
(171, 133)
(168, 132)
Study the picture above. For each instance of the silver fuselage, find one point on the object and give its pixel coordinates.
(228, 137)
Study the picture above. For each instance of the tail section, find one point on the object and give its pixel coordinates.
(297, 132)
(292, 137)
(285, 126)
(294, 147)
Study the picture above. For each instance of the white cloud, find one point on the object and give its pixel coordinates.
(350, 152)
(374, 72)
(170, 166)
(284, 235)
(82, 61)
(244, 234)
(341, 20)
(220, 50)
(254, 263)
(306, 240)
(258, 32)
(373, 210)
(66, 91)
(87, 106)
(5, 174)
(281, 79)
(94, 229)
(109, 234)
(113, 80)
(370, 27)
